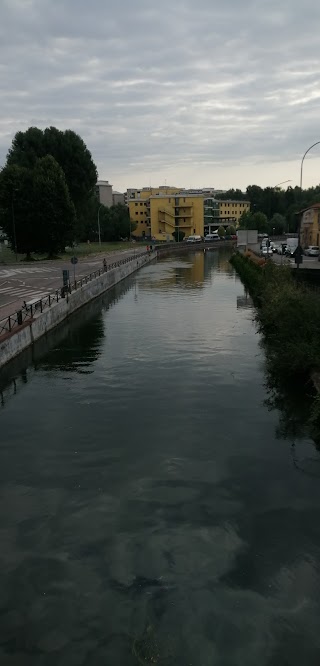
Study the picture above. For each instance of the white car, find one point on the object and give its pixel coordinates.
(266, 251)
(194, 239)
(312, 251)
(211, 237)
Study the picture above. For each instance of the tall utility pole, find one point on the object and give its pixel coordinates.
(99, 230)
(14, 228)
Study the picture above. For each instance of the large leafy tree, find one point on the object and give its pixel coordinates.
(37, 213)
(71, 153)
(54, 212)
(17, 207)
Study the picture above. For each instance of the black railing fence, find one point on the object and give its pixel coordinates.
(30, 308)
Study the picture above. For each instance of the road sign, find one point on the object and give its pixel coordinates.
(74, 260)
(298, 255)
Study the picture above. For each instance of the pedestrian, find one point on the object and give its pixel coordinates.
(104, 265)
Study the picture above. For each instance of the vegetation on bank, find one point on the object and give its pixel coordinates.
(288, 317)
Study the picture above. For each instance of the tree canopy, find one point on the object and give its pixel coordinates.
(37, 212)
(274, 200)
(69, 151)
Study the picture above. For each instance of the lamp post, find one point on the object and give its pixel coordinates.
(301, 174)
(282, 183)
(302, 161)
(99, 230)
(14, 228)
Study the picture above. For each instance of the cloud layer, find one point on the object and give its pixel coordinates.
(205, 93)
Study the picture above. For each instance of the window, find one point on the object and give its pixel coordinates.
(169, 200)
(135, 204)
(141, 204)
(142, 222)
(137, 213)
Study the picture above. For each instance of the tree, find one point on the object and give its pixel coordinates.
(54, 212)
(17, 207)
(257, 221)
(277, 224)
(114, 223)
(231, 231)
(71, 153)
(37, 212)
(178, 235)
(221, 231)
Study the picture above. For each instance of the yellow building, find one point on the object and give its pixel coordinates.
(231, 211)
(139, 206)
(310, 225)
(200, 214)
(179, 212)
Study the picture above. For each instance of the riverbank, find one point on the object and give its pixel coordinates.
(288, 317)
(42, 321)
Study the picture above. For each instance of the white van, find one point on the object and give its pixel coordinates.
(194, 239)
(211, 237)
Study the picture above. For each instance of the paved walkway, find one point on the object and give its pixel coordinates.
(26, 281)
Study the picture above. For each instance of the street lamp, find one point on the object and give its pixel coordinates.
(99, 230)
(302, 161)
(301, 173)
(282, 183)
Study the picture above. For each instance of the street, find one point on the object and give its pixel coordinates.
(27, 281)
(308, 262)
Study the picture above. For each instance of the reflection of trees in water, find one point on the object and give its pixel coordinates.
(294, 400)
(73, 346)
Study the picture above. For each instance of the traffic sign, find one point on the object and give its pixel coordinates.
(298, 255)
(74, 260)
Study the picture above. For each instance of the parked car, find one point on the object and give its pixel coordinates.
(266, 251)
(312, 251)
(194, 239)
(211, 237)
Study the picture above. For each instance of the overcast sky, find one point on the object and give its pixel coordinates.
(192, 93)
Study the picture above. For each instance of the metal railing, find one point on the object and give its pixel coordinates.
(31, 308)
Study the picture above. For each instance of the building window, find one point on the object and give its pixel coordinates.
(137, 213)
(141, 204)
(142, 222)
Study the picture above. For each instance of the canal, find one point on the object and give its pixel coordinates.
(154, 507)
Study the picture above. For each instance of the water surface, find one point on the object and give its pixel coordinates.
(149, 513)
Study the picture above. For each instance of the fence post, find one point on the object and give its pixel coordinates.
(9, 323)
(19, 317)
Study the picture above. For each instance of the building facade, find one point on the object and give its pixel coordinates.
(178, 212)
(106, 195)
(200, 215)
(310, 226)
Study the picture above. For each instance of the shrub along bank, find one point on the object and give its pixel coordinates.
(288, 316)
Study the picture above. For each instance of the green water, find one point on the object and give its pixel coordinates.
(150, 510)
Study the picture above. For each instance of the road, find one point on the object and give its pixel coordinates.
(308, 262)
(26, 281)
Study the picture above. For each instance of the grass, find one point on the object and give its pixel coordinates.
(81, 250)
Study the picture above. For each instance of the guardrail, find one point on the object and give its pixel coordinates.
(28, 310)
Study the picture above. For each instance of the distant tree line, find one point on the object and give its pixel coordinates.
(48, 194)
(279, 207)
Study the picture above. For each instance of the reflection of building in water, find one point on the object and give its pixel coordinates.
(244, 302)
(189, 270)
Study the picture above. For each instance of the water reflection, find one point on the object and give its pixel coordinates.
(148, 513)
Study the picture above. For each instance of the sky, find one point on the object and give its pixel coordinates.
(194, 94)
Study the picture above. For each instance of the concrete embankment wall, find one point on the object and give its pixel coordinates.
(54, 315)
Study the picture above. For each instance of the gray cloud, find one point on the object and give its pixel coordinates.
(202, 93)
